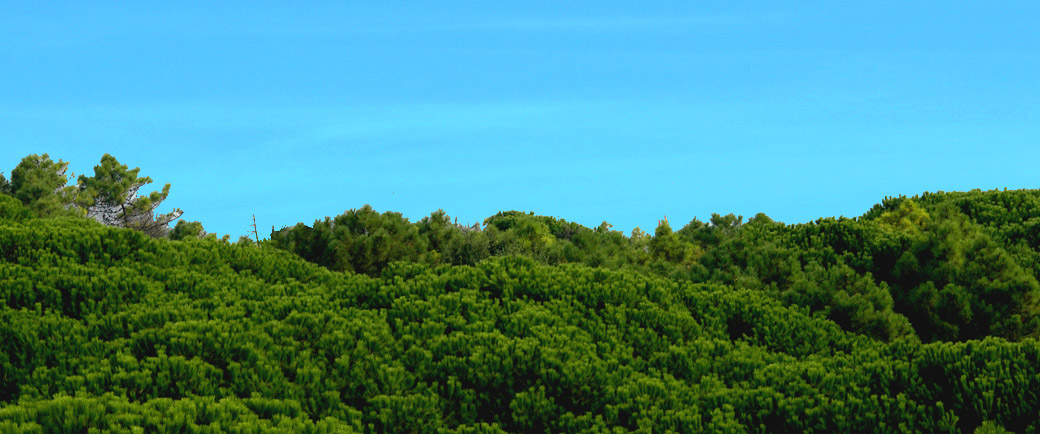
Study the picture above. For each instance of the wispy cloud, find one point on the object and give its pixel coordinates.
(592, 24)
(653, 23)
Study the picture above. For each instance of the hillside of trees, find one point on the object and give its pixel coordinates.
(922, 315)
(939, 267)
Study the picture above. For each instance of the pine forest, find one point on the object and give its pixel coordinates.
(919, 316)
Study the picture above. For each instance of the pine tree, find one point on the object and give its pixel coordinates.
(114, 189)
(40, 184)
(5, 186)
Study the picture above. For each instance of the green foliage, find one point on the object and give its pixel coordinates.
(40, 184)
(110, 197)
(989, 427)
(905, 269)
(360, 240)
(187, 230)
(449, 243)
(5, 185)
(920, 316)
(908, 216)
(111, 181)
(12, 209)
(105, 329)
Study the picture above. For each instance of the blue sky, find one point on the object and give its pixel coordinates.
(623, 112)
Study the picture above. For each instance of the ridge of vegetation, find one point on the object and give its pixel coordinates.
(943, 266)
(920, 316)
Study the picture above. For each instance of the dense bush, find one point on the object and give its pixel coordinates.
(109, 330)
(941, 267)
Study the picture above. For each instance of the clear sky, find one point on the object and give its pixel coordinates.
(623, 112)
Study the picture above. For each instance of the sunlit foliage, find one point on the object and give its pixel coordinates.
(108, 330)
(920, 316)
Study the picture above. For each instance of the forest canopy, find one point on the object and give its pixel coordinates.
(930, 267)
(919, 316)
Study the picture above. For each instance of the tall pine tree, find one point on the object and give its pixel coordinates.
(114, 189)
